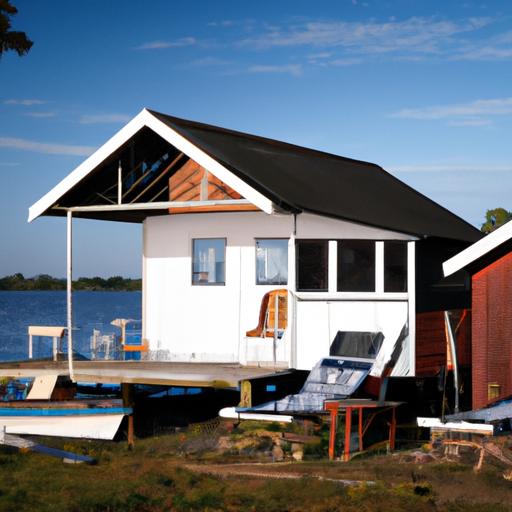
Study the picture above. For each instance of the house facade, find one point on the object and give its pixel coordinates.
(261, 253)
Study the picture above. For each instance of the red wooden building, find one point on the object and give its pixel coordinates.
(487, 265)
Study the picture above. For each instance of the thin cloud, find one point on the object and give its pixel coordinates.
(24, 102)
(106, 118)
(419, 33)
(469, 112)
(209, 61)
(157, 45)
(48, 148)
(293, 69)
(40, 114)
(9, 164)
(414, 38)
(346, 62)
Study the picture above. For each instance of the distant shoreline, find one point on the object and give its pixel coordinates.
(44, 282)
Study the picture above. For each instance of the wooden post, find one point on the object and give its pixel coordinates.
(348, 428)
(126, 394)
(392, 431)
(360, 429)
(332, 436)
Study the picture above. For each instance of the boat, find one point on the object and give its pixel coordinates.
(27, 408)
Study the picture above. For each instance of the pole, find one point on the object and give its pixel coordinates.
(455, 362)
(69, 293)
(276, 325)
(348, 428)
(119, 183)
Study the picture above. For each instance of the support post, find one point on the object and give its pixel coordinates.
(392, 430)
(276, 326)
(69, 293)
(455, 362)
(30, 343)
(360, 429)
(127, 396)
(119, 183)
(332, 433)
(348, 428)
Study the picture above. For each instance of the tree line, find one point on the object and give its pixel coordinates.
(18, 282)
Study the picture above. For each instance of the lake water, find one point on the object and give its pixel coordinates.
(91, 310)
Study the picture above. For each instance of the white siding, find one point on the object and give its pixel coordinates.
(183, 322)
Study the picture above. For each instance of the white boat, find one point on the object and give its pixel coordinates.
(27, 408)
(90, 419)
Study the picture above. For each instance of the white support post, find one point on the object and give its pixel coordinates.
(30, 343)
(119, 184)
(69, 293)
(276, 326)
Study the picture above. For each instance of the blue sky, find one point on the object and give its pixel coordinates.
(423, 89)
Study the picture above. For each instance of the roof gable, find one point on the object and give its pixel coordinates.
(149, 154)
(267, 173)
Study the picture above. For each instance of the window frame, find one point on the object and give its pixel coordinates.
(274, 283)
(194, 262)
(306, 241)
(331, 262)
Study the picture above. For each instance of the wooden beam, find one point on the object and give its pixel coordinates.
(216, 208)
(154, 182)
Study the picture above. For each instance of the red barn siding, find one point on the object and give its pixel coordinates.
(463, 336)
(492, 330)
(430, 343)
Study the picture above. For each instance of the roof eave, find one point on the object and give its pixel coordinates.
(478, 249)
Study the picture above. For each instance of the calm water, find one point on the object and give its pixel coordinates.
(91, 310)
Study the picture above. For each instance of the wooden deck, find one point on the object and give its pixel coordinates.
(217, 375)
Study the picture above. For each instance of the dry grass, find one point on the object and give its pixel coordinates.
(186, 472)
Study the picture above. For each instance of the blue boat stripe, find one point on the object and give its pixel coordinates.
(64, 412)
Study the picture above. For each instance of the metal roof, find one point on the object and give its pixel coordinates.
(267, 173)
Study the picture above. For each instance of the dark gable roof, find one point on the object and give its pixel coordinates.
(300, 179)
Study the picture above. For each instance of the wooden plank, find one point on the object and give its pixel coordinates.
(187, 178)
(216, 208)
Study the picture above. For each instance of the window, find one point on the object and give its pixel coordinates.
(312, 267)
(209, 261)
(356, 266)
(271, 261)
(395, 267)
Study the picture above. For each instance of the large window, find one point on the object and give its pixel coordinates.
(271, 262)
(356, 266)
(395, 267)
(209, 261)
(312, 265)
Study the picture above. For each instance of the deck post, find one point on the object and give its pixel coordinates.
(332, 433)
(348, 428)
(127, 396)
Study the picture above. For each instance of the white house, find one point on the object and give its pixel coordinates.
(228, 217)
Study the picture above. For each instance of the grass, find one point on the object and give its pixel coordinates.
(185, 472)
